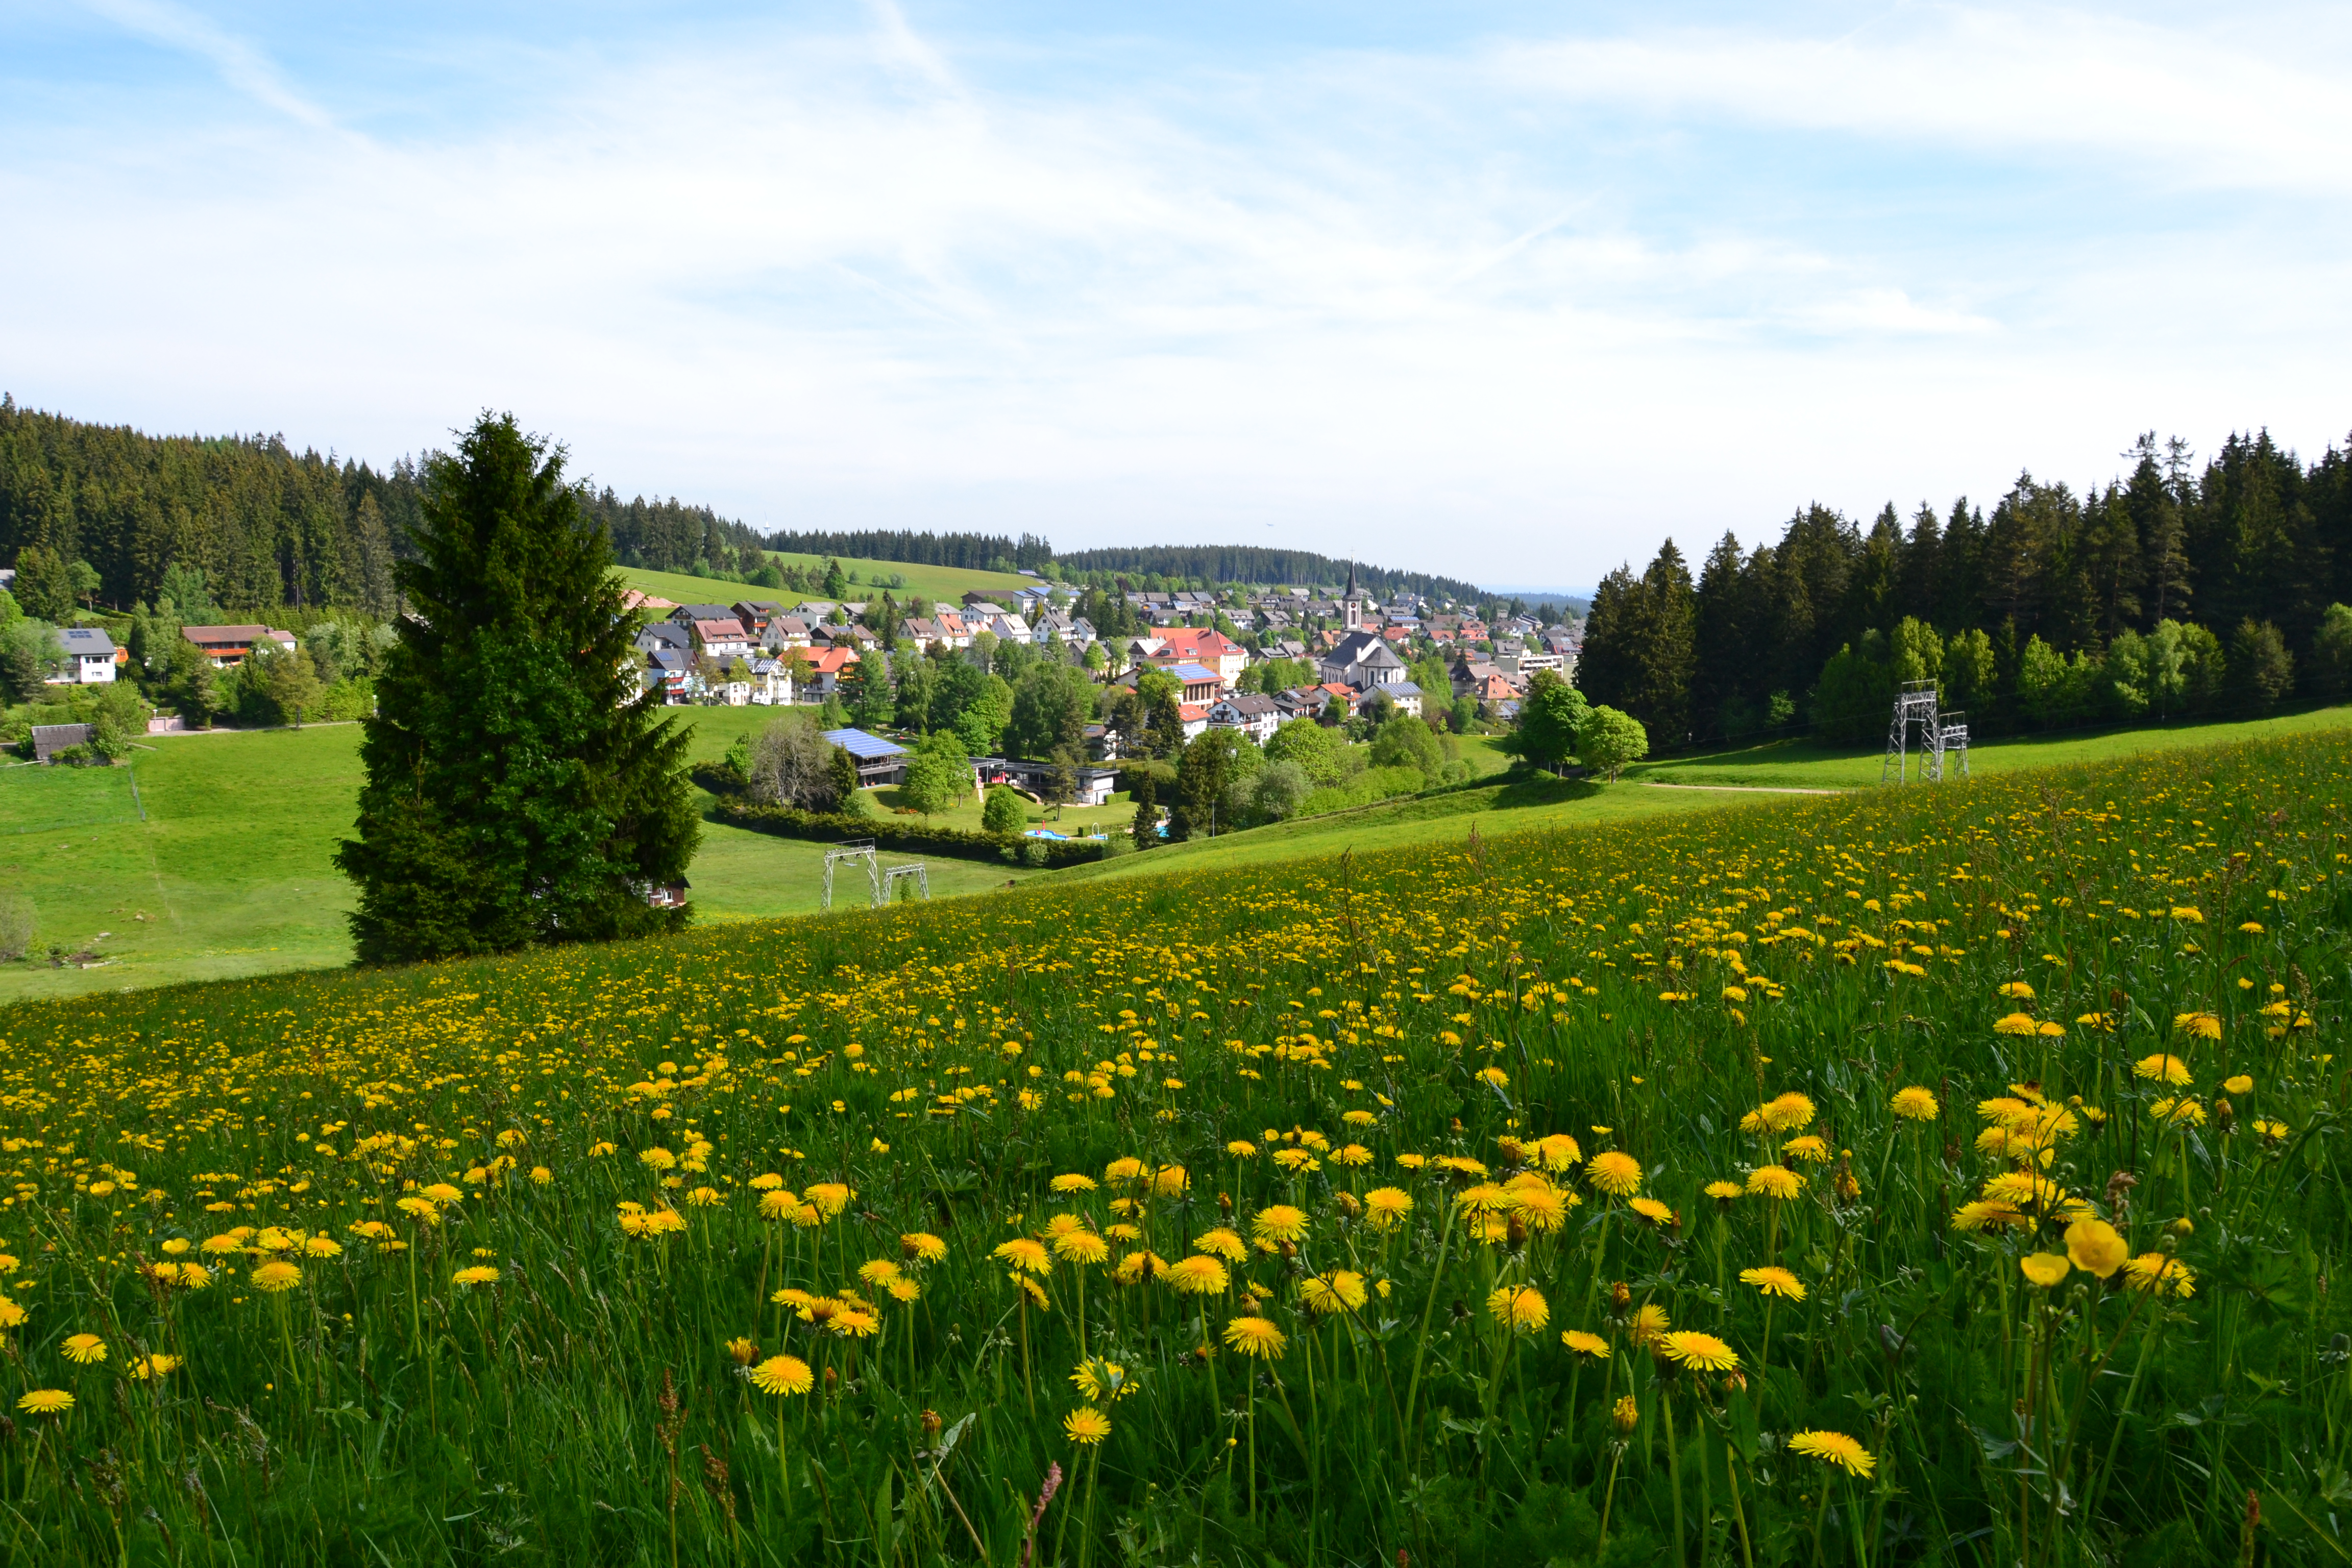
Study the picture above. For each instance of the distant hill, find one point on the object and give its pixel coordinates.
(1258, 563)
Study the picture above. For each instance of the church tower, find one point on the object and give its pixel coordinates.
(1352, 608)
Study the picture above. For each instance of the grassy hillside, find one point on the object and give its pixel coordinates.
(1802, 764)
(232, 871)
(1740, 1177)
(949, 583)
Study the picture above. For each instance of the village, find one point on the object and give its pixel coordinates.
(1245, 660)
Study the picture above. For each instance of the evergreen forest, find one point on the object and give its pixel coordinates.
(2174, 589)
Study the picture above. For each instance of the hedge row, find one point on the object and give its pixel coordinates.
(889, 833)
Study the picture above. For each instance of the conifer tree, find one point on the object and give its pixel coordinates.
(520, 788)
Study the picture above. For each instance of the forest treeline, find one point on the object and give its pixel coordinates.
(2175, 589)
(267, 526)
(969, 552)
(1261, 563)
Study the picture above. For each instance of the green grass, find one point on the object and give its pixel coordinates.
(947, 582)
(229, 888)
(232, 871)
(1935, 1021)
(1801, 764)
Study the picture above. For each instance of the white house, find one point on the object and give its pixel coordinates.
(91, 657)
(1253, 714)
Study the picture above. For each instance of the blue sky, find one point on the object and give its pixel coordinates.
(1506, 290)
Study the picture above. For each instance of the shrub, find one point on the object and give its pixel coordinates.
(1610, 739)
(1004, 813)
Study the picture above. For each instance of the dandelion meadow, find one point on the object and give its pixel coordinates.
(1932, 1175)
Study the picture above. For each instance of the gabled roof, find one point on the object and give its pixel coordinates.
(1195, 674)
(863, 746)
(833, 660)
(1251, 704)
(727, 630)
(707, 612)
(89, 642)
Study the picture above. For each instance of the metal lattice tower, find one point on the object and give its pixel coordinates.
(1949, 736)
(897, 874)
(1914, 708)
(857, 850)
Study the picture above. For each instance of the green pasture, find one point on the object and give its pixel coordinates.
(949, 583)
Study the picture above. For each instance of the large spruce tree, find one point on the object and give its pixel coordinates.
(520, 788)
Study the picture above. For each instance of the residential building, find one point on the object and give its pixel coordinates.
(723, 639)
(784, 632)
(1253, 715)
(1205, 646)
(228, 646)
(672, 669)
(1196, 718)
(826, 666)
(1200, 684)
(1089, 786)
(91, 657)
(880, 762)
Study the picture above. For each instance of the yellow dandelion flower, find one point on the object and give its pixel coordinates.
(1723, 1191)
(1073, 1182)
(1518, 1308)
(2162, 1068)
(1024, 1254)
(46, 1402)
(481, 1274)
(2016, 1024)
(1651, 1210)
(1558, 1152)
(1100, 1381)
(1585, 1345)
(2239, 1084)
(1339, 1291)
(84, 1350)
(1224, 1243)
(1386, 1208)
(1255, 1337)
(2018, 990)
(1648, 1325)
(1774, 1280)
(1698, 1352)
(920, 1246)
(1280, 1222)
(1624, 1415)
(2154, 1271)
(1613, 1171)
(782, 1374)
(1081, 1246)
(1086, 1425)
(2199, 1025)
(275, 1275)
(145, 1367)
(1198, 1276)
(1835, 1449)
(1916, 1104)
(1777, 1181)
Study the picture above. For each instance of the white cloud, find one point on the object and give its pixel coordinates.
(1407, 310)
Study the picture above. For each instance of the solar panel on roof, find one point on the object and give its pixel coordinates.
(858, 743)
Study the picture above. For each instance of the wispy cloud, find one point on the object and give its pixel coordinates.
(239, 63)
